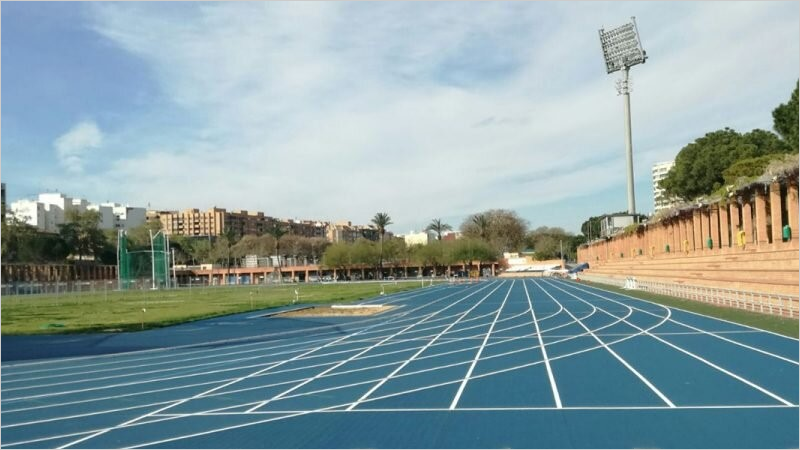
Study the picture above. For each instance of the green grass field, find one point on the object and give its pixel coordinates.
(123, 311)
(781, 325)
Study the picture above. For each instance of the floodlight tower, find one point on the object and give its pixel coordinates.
(622, 49)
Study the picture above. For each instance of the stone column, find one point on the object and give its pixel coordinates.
(791, 208)
(736, 223)
(775, 211)
(705, 222)
(697, 230)
(715, 226)
(761, 217)
(747, 221)
(724, 227)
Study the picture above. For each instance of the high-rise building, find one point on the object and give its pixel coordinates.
(660, 199)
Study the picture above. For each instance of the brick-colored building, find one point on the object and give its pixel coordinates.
(215, 221)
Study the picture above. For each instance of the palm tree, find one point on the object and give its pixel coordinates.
(230, 235)
(439, 227)
(381, 221)
(482, 222)
(277, 231)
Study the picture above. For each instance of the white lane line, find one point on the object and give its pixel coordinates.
(10, 367)
(174, 359)
(341, 363)
(136, 419)
(207, 372)
(641, 377)
(693, 355)
(166, 417)
(497, 408)
(717, 335)
(698, 314)
(408, 361)
(480, 350)
(553, 386)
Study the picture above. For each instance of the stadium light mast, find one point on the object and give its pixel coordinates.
(622, 49)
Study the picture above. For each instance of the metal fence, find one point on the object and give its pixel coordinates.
(774, 304)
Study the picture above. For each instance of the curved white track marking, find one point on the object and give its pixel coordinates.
(52, 394)
(400, 367)
(625, 363)
(575, 353)
(341, 363)
(176, 416)
(330, 344)
(436, 368)
(717, 335)
(303, 367)
(213, 363)
(693, 355)
(480, 350)
(237, 368)
(131, 421)
(244, 340)
(552, 379)
(696, 314)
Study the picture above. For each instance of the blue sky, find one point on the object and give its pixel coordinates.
(336, 111)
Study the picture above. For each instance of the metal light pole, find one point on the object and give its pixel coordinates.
(624, 90)
(622, 49)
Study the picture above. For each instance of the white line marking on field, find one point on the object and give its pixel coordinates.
(696, 313)
(480, 350)
(176, 403)
(365, 350)
(687, 352)
(614, 354)
(716, 334)
(553, 386)
(400, 367)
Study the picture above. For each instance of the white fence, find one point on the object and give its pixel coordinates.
(775, 304)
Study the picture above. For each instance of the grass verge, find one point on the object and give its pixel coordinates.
(138, 310)
(780, 325)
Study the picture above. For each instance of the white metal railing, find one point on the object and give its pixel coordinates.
(762, 302)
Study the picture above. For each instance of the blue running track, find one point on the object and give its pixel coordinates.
(526, 363)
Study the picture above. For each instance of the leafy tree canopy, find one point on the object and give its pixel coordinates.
(699, 166)
(786, 120)
(502, 228)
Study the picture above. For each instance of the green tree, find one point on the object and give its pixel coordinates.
(82, 235)
(277, 231)
(548, 242)
(337, 256)
(364, 252)
(785, 118)
(24, 243)
(438, 227)
(200, 250)
(467, 250)
(699, 166)
(501, 228)
(748, 168)
(381, 221)
(139, 237)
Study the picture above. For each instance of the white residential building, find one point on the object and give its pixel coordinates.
(660, 200)
(50, 210)
(421, 238)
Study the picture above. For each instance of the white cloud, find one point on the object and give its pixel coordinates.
(74, 146)
(339, 110)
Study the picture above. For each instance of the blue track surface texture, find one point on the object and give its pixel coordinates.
(503, 363)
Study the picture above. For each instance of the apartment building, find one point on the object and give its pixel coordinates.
(660, 199)
(50, 210)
